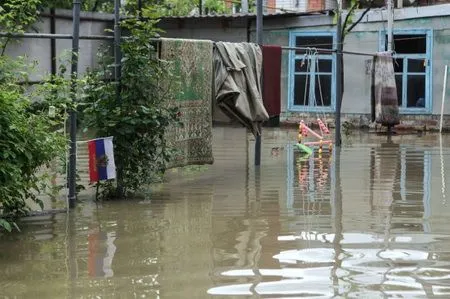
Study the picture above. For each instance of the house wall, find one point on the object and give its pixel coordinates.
(366, 38)
(229, 30)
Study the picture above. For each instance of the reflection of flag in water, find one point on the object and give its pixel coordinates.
(101, 159)
(101, 250)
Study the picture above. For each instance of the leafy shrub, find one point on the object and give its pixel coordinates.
(28, 141)
(138, 118)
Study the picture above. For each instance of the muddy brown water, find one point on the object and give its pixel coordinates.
(369, 221)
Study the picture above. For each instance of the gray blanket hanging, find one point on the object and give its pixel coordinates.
(238, 90)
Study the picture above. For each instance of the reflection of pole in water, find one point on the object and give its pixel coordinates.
(337, 216)
(444, 200)
(71, 256)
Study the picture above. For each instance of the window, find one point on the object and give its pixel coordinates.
(412, 66)
(312, 77)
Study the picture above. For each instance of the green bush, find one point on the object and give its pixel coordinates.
(138, 118)
(28, 141)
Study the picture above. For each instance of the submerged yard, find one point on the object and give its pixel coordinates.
(369, 221)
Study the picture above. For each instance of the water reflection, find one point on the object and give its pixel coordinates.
(347, 268)
(368, 220)
(101, 251)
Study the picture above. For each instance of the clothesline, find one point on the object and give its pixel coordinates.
(318, 50)
(100, 37)
(327, 51)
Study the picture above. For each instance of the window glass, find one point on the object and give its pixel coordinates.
(301, 83)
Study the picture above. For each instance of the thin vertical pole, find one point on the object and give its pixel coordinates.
(117, 52)
(338, 53)
(200, 7)
(390, 24)
(117, 78)
(444, 89)
(53, 41)
(259, 41)
(72, 179)
(140, 8)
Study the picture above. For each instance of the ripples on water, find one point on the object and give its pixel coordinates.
(368, 222)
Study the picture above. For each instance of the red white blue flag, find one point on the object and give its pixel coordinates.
(101, 159)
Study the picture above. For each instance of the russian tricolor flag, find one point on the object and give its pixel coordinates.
(101, 159)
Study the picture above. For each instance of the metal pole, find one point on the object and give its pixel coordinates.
(72, 179)
(200, 7)
(259, 41)
(339, 73)
(444, 89)
(53, 41)
(117, 78)
(117, 52)
(55, 36)
(390, 23)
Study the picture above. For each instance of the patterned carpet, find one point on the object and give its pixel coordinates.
(191, 61)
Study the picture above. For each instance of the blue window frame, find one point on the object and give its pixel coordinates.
(312, 77)
(413, 68)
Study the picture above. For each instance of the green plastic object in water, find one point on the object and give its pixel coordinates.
(304, 148)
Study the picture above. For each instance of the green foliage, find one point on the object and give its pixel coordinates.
(54, 95)
(106, 6)
(28, 142)
(184, 7)
(163, 7)
(137, 119)
(16, 16)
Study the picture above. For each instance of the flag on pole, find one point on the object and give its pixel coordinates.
(101, 159)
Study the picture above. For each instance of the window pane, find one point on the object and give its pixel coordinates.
(299, 90)
(299, 67)
(399, 85)
(324, 42)
(323, 84)
(325, 65)
(409, 43)
(416, 65)
(416, 91)
(398, 65)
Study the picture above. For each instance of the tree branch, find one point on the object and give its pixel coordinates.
(347, 17)
(361, 17)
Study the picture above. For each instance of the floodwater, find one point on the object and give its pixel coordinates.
(368, 221)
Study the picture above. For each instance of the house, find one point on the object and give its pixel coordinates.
(421, 37)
